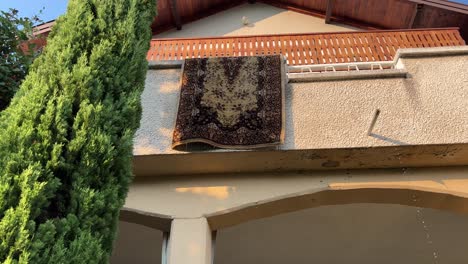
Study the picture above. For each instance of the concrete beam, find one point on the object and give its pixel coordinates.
(347, 75)
(190, 242)
(222, 161)
(230, 199)
(431, 52)
(165, 64)
(152, 220)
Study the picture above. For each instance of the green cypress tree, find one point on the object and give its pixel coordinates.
(66, 138)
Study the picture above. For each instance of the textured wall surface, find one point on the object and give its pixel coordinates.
(264, 19)
(160, 102)
(429, 107)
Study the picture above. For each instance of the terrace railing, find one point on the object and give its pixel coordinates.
(306, 49)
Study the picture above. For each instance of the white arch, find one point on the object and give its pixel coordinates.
(417, 197)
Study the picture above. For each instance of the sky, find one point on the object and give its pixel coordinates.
(29, 8)
(54, 8)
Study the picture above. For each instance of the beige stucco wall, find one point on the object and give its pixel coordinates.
(429, 107)
(263, 18)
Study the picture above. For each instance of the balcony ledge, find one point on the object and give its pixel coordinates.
(256, 161)
(287, 158)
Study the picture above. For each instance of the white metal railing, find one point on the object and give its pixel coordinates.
(349, 66)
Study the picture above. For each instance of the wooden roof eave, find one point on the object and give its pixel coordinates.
(447, 5)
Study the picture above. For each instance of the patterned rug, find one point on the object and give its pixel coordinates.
(231, 102)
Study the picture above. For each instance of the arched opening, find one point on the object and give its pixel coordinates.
(247, 198)
(140, 237)
(361, 233)
(346, 225)
(137, 244)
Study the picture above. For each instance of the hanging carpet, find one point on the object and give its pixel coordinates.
(232, 102)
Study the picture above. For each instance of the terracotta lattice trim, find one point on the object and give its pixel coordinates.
(304, 49)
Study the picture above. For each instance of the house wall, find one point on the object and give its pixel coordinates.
(263, 18)
(428, 107)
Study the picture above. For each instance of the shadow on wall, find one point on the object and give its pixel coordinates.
(137, 244)
(262, 19)
(358, 233)
(387, 139)
(160, 102)
(228, 21)
(289, 139)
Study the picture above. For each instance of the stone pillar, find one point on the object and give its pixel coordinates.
(190, 241)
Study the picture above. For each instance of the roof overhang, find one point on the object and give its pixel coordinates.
(173, 13)
(443, 4)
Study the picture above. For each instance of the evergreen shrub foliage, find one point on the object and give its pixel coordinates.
(66, 138)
